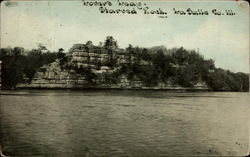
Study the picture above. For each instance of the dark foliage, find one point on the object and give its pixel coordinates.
(87, 73)
(16, 66)
(182, 67)
(178, 66)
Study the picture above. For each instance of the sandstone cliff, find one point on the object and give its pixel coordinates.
(53, 76)
(95, 67)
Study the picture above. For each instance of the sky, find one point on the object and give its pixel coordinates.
(60, 24)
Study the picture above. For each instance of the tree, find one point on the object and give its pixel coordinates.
(18, 51)
(87, 73)
(181, 56)
(61, 50)
(145, 55)
(129, 48)
(159, 63)
(89, 44)
(110, 43)
(60, 53)
(42, 48)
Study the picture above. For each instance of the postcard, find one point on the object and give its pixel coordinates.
(116, 78)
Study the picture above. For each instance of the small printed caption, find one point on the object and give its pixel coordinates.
(137, 7)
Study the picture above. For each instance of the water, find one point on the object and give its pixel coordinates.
(118, 123)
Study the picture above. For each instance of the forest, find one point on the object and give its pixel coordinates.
(178, 65)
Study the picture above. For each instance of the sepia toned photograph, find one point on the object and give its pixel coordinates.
(124, 78)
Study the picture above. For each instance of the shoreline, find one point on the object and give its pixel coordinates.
(117, 89)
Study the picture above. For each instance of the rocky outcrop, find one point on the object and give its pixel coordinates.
(97, 62)
(53, 76)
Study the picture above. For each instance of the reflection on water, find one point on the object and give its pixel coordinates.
(123, 123)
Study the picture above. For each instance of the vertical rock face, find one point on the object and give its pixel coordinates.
(52, 76)
(90, 67)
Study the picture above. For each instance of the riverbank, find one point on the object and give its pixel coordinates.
(87, 66)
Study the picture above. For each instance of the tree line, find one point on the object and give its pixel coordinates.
(179, 66)
(18, 64)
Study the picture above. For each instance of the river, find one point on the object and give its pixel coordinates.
(119, 123)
